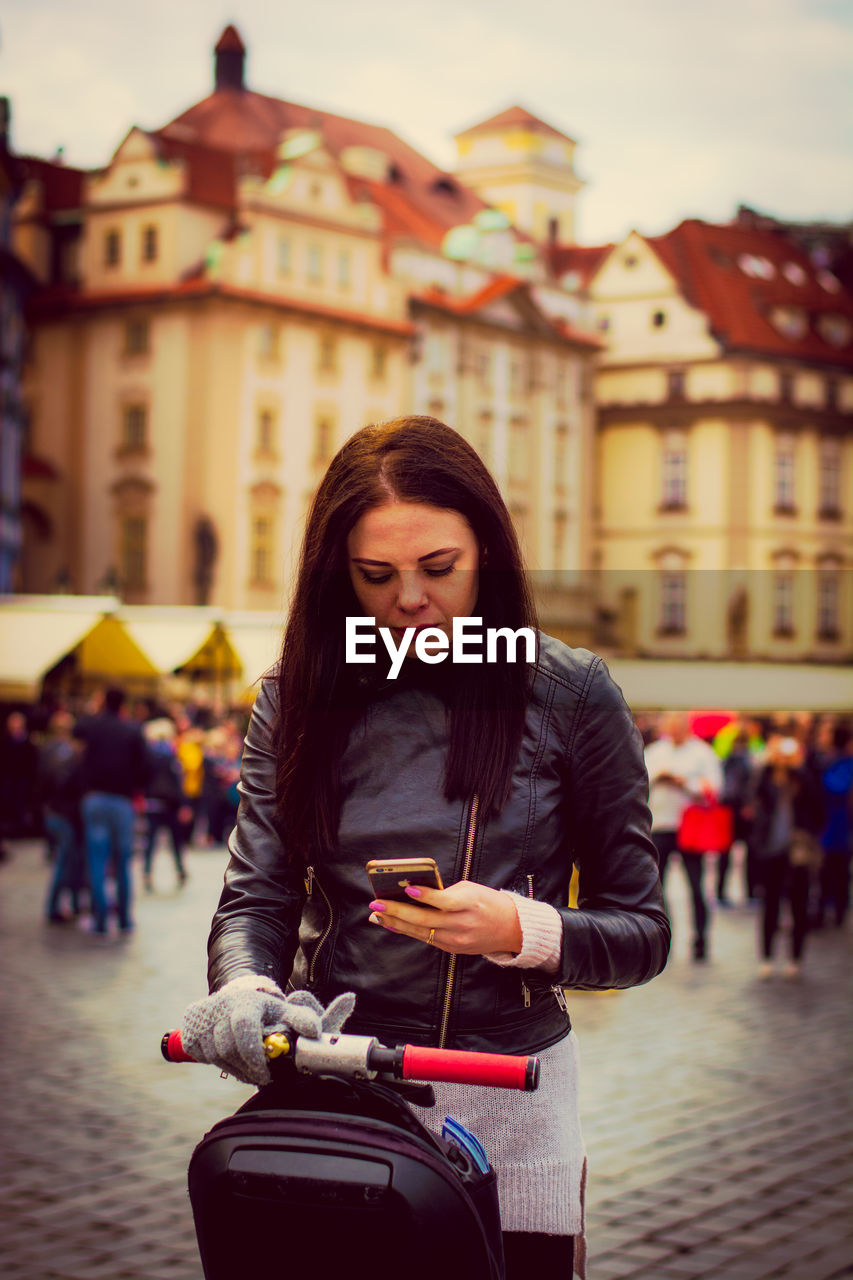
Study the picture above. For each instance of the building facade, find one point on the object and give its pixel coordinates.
(16, 283)
(724, 518)
(230, 298)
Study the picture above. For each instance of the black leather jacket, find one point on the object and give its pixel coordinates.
(579, 795)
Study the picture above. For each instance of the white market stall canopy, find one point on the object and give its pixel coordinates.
(113, 641)
(37, 632)
(759, 687)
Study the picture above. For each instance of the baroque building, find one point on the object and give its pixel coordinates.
(724, 503)
(232, 296)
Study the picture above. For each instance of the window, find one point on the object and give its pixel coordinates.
(135, 427)
(315, 264)
(268, 341)
(327, 354)
(261, 551)
(284, 261)
(786, 386)
(483, 365)
(674, 485)
(265, 441)
(829, 478)
(323, 435)
(783, 602)
(783, 475)
(378, 361)
(828, 627)
(112, 248)
(831, 393)
(658, 319)
(134, 539)
(149, 244)
(344, 270)
(676, 380)
(561, 457)
(519, 451)
(673, 594)
(136, 336)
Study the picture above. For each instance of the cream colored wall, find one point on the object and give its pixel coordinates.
(629, 386)
(635, 540)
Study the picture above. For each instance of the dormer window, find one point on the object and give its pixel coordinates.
(756, 267)
(794, 273)
(834, 329)
(790, 322)
(149, 244)
(112, 248)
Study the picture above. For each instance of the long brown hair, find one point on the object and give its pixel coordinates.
(411, 459)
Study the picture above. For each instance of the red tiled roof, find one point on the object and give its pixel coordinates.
(498, 287)
(230, 41)
(62, 186)
(584, 259)
(708, 261)
(212, 173)
(420, 199)
(501, 287)
(518, 116)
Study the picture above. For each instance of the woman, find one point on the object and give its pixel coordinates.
(505, 772)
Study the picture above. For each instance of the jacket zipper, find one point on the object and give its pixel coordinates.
(525, 990)
(470, 840)
(310, 881)
(559, 993)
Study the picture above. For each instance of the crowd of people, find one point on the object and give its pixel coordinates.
(780, 792)
(111, 780)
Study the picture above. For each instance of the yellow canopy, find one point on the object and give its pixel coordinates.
(37, 632)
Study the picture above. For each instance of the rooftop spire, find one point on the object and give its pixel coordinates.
(230, 59)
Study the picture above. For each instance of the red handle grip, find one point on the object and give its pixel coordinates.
(457, 1067)
(172, 1049)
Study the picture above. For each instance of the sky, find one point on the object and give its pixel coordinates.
(680, 108)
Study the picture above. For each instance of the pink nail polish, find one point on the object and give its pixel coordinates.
(377, 906)
(414, 892)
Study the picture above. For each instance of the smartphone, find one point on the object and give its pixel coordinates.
(389, 877)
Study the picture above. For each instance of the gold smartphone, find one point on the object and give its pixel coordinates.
(389, 877)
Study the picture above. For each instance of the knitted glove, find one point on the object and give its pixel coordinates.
(228, 1027)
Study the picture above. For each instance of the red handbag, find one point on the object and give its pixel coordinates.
(705, 828)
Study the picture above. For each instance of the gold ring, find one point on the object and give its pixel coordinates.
(431, 938)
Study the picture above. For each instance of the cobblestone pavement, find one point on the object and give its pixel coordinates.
(717, 1107)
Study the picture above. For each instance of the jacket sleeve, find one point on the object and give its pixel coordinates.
(619, 934)
(255, 928)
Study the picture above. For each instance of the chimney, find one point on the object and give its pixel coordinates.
(230, 59)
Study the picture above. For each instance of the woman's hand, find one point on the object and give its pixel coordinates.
(468, 918)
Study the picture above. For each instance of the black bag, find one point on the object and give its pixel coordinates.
(320, 1177)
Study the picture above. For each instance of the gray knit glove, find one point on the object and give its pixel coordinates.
(228, 1027)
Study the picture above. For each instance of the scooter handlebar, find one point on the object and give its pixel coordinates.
(364, 1055)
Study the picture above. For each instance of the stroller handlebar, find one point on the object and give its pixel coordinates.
(364, 1057)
